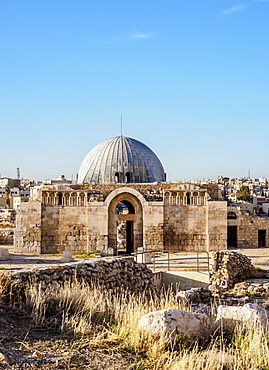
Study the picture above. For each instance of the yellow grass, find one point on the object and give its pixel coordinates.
(98, 316)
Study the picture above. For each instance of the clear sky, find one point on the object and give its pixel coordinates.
(189, 77)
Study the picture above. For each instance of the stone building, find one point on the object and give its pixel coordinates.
(245, 230)
(121, 185)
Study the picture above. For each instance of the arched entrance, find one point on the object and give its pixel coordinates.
(125, 223)
(231, 229)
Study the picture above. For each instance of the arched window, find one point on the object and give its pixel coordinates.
(188, 195)
(127, 177)
(125, 207)
(231, 216)
(60, 199)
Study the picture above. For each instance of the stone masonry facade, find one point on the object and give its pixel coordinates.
(82, 218)
(249, 231)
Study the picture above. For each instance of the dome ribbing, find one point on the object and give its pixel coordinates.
(121, 159)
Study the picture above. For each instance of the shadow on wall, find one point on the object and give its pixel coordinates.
(181, 280)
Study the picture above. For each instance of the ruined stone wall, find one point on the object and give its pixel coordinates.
(185, 227)
(27, 235)
(248, 228)
(6, 237)
(112, 274)
(228, 268)
(64, 228)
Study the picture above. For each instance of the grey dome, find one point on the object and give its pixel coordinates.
(121, 159)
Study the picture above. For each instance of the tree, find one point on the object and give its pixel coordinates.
(244, 194)
(225, 197)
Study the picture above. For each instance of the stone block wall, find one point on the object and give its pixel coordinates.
(217, 226)
(64, 228)
(112, 274)
(153, 225)
(228, 268)
(153, 238)
(97, 216)
(248, 231)
(185, 227)
(27, 235)
(82, 218)
(248, 228)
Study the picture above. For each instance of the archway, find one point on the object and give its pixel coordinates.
(125, 223)
(232, 228)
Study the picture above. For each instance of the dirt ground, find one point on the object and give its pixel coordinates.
(24, 346)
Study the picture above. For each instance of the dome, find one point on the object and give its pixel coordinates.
(121, 159)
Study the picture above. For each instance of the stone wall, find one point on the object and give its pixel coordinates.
(114, 274)
(217, 226)
(228, 268)
(27, 237)
(6, 237)
(153, 226)
(185, 227)
(248, 229)
(82, 218)
(64, 228)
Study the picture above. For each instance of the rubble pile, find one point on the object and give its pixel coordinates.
(228, 268)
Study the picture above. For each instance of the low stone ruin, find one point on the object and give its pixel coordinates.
(113, 274)
(258, 288)
(228, 268)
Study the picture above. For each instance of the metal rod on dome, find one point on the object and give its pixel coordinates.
(121, 125)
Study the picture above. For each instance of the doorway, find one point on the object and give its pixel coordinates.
(125, 223)
(261, 238)
(232, 237)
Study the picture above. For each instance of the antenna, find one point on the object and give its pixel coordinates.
(120, 125)
(18, 173)
(249, 173)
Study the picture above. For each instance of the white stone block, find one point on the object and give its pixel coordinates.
(169, 323)
(67, 254)
(67, 257)
(144, 257)
(4, 254)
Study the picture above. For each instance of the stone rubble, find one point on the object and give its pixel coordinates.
(228, 268)
(251, 313)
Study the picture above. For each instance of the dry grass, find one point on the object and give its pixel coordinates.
(96, 317)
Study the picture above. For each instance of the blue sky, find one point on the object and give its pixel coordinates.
(189, 77)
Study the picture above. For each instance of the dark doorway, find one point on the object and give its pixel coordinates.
(129, 237)
(125, 237)
(261, 238)
(232, 237)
